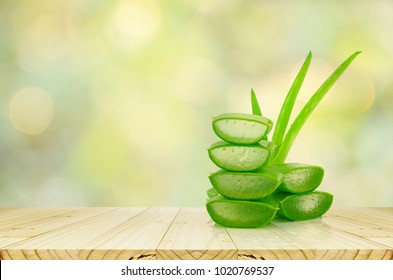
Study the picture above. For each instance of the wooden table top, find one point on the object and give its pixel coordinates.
(189, 233)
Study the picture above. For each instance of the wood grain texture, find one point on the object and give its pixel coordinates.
(135, 239)
(194, 236)
(189, 233)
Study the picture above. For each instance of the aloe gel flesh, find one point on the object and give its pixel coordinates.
(241, 129)
(238, 158)
(211, 193)
(245, 185)
(240, 213)
(299, 178)
(299, 207)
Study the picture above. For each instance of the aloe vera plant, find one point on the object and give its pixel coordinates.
(255, 183)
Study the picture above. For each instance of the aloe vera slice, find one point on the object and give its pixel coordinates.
(211, 193)
(298, 207)
(240, 213)
(238, 158)
(241, 128)
(245, 185)
(299, 178)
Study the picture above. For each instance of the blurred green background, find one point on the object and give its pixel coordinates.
(109, 103)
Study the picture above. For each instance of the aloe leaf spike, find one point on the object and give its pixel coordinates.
(256, 110)
(308, 109)
(286, 109)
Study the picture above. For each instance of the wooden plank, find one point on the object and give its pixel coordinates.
(266, 243)
(304, 240)
(53, 219)
(194, 236)
(330, 243)
(388, 211)
(359, 227)
(374, 224)
(21, 226)
(4, 210)
(6, 241)
(362, 214)
(386, 241)
(135, 239)
(167, 233)
(38, 254)
(65, 241)
(22, 215)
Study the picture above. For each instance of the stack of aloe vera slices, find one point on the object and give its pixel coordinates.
(254, 183)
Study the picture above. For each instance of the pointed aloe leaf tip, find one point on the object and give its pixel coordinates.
(287, 107)
(256, 110)
(309, 108)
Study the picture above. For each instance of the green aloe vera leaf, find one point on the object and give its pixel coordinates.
(256, 109)
(306, 206)
(245, 185)
(211, 193)
(308, 109)
(238, 158)
(299, 178)
(289, 101)
(240, 213)
(241, 128)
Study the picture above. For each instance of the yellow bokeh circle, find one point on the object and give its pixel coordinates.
(31, 110)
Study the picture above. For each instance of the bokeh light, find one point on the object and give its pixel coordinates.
(133, 23)
(31, 110)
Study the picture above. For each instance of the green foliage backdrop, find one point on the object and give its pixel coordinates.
(109, 103)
